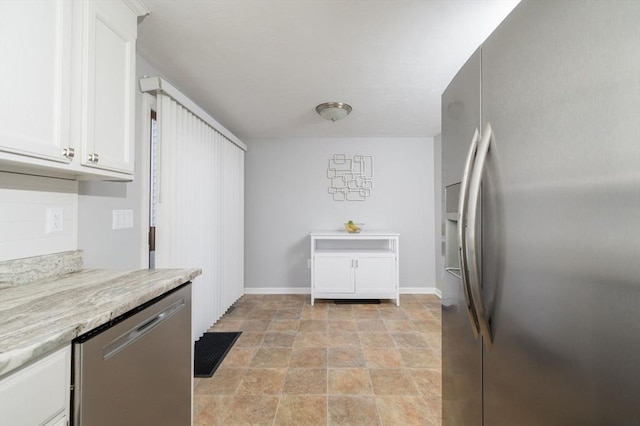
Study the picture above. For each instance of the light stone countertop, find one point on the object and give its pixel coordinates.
(45, 315)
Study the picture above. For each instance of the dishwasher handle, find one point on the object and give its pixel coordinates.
(144, 327)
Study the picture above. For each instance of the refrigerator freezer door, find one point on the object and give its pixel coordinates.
(560, 208)
(462, 352)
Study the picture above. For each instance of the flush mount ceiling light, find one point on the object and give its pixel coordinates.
(333, 111)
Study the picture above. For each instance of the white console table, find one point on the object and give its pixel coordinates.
(355, 266)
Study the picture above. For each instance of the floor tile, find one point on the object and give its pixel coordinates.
(249, 339)
(302, 410)
(420, 358)
(251, 410)
(209, 410)
(383, 357)
(392, 313)
(310, 339)
(313, 325)
(327, 364)
(366, 314)
(400, 325)
(428, 326)
(278, 339)
(309, 358)
(228, 325)
(262, 314)
(428, 381)
(262, 381)
(342, 325)
(225, 381)
(306, 381)
(345, 357)
(336, 314)
(353, 410)
(377, 339)
(284, 325)
(343, 339)
(409, 340)
(255, 325)
(314, 312)
(239, 313)
(392, 381)
(291, 313)
(349, 381)
(371, 325)
(238, 357)
(404, 410)
(271, 357)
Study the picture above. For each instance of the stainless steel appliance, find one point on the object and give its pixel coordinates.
(541, 128)
(137, 369)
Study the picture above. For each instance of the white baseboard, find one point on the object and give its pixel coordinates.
(307, 290)
(277, 290)
(418, 290)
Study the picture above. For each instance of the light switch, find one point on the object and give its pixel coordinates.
(122, 219)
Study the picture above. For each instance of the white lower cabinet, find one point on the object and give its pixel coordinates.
(38, 394)
(354, 266)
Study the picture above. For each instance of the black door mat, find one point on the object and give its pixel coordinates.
(356, 301)
(210, 350)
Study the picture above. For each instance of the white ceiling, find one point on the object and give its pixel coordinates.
(260, 67)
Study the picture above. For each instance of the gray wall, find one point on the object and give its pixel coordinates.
(286, 198)
(104, 247)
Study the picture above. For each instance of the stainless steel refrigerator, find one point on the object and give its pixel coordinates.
(541, 174)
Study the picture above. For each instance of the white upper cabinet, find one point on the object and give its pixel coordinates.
(68, 87)
(35, 70)
(109, 35)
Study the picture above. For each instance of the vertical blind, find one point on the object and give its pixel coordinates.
(200, 211)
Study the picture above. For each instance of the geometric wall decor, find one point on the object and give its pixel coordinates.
(351, 178)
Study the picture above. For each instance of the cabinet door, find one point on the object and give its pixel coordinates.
(108, 86)
(333, 273)
(35, 50)
(39, 393)
(375, 274)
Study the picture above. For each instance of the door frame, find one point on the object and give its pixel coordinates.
(149, 103)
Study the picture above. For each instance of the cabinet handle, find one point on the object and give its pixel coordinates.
(94, 158)
(68, 153)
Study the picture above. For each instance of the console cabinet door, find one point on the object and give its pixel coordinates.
(333, 273)
(35, 70)
(108, 94)
(375, 274)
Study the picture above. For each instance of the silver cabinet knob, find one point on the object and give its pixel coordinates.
(68, 153)
(94, 158)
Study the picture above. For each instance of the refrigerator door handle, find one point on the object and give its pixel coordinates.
(462, 238)
(474, 273)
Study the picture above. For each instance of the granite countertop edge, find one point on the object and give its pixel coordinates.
(46, 315)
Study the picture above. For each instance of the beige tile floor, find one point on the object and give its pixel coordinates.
(327, 364)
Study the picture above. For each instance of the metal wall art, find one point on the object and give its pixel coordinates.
(351, 178)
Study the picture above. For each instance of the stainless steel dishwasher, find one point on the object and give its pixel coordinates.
(137, 369)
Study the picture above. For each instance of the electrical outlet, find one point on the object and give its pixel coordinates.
(55, 220)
